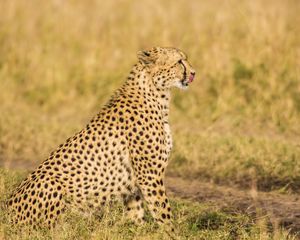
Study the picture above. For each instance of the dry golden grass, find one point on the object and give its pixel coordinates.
(61, 60)
(59, 64)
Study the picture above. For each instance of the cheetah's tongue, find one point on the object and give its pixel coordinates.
(191, 78)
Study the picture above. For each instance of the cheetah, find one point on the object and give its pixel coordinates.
(121, 154)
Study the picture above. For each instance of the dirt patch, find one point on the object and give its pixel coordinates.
(281, 210)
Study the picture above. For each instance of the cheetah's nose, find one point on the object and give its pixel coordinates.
(192, 76)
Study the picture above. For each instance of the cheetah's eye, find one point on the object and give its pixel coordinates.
(180, 61)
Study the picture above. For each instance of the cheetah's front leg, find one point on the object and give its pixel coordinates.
(153, 190)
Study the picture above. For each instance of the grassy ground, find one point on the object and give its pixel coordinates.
(193, 221)
(238, 124)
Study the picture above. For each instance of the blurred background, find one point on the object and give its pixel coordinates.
(238, 123)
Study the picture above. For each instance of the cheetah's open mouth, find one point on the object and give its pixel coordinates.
(185, 82)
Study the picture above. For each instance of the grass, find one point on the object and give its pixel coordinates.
(193, 221)
(239, 160)
(244, 105)
(237, 124)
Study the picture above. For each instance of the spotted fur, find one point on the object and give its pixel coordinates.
(121, 154)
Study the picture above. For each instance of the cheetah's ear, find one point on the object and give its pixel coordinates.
(146, 57)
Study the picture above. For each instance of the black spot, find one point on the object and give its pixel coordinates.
(137, 198)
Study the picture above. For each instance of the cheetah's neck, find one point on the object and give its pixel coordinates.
(140, 81)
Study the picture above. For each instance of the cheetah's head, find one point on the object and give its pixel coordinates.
(168, 67)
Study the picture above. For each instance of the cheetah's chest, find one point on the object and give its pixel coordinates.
(168, 138)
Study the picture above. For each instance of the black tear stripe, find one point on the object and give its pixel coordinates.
(184, 72)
